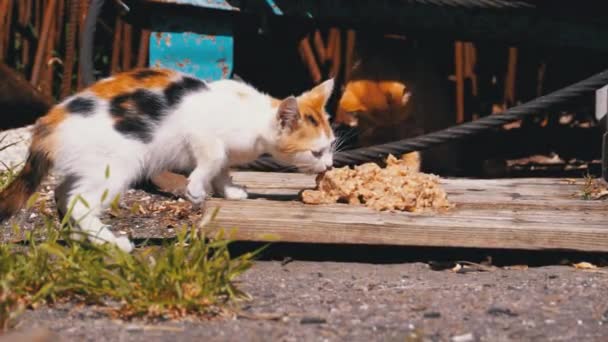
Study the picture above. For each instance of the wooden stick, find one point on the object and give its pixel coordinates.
(542, 69)
(46, 82)
(331, 43)
(3, 27)
(59, 21)
(319, 46)
(5, 33)
(84, 9)
(70, 48)
(459, 66)
(116, 46)
(144, 46)
(509, 96)
(126, 47)
(25, 20)
(470, 58)
(336, 61)
(350, 51)
(38, 14)
(43, 41)
(305, 50)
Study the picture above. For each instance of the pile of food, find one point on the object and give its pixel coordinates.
(398, 186)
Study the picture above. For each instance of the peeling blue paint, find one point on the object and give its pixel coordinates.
(203, 49)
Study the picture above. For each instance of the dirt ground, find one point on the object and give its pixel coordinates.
(360, 293)
(341, 301)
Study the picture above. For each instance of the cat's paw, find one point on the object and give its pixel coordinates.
(195, 198)
(234, 192)
(124, 244)
(195, 193)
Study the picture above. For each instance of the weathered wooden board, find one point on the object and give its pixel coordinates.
(500, 213)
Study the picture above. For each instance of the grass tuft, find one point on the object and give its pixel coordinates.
(192, 275)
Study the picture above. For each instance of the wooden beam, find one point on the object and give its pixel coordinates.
(508, 213)
(41, 49)
(459, 74)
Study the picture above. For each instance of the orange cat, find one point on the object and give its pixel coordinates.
(394, 92)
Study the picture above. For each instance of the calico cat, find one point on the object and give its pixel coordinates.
(139, 123)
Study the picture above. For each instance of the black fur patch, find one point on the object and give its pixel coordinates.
(177, 90)
(142, 74)
(81, 105)
(36, 167)
(137, 112)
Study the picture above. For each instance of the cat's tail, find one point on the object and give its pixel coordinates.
(16, 194)
(36, 168)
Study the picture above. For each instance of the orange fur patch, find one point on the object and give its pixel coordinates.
(42, 137)
(313, 105)
(313, 124)
(379, 102)
(127, 82)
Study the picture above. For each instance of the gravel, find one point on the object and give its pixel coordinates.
(375, 302)
(15, 154)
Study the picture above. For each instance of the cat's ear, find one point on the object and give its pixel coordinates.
(405, 98)
(325, 89)
(317, 97)
(288, 114)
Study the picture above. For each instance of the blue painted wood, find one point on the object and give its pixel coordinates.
(203, 49)
(208, 57)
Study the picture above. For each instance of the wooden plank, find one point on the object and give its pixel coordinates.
(534, 192)
(544, 215)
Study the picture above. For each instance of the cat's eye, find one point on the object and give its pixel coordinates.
(317, 154)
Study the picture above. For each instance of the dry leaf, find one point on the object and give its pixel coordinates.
(584, 266)
(516, 267)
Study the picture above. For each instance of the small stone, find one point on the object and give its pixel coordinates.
(432, 314)
(498, 311)
(463, 338)
(313, 320)
(133, 327)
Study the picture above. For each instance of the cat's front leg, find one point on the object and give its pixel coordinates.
(196, 191)
(210, 157)
(223, 186)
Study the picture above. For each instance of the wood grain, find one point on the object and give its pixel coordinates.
(497, 213)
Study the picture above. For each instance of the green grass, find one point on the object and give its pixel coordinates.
(189, 276)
